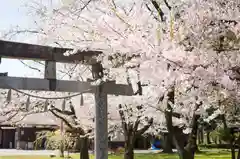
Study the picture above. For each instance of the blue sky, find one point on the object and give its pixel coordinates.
(12, 13)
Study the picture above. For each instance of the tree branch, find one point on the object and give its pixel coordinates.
(123, 120)
(136, 124)
(145, 128)
(139, 91)
(191, 146)
(72, 109)
(34, 68)
(159, 10)
(156, 18)
(62, 118)
(10, 118)
(167, 4)
(64, 112)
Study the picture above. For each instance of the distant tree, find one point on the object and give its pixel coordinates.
(55, 140)
(74, 127)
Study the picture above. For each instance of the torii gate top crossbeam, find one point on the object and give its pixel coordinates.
(18, 50)
(52, 55)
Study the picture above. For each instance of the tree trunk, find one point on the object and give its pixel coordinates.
(233, 146)
(168, 116)
(192, 147)
(231, 140)
(61, 149)
(185, 155)
(238, 143)
(84, 148)
(238, 157)
(77, 145)
(219, 140)
(129, 146)
(129, 152)
(233, 153)
(208, 138)
(232, 150)
(182, 152)
(201, 135)
(167, 143)
(197, 149)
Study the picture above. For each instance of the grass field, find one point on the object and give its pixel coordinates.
(206, 155)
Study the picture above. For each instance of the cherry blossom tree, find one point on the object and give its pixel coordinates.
(227, 114)
(188, 43)
(16, 106)
(74, 126)
(136, 119)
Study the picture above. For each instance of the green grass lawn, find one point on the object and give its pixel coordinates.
(205, 155)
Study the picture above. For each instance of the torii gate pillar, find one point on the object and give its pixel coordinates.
(101, 116)
(101, 124)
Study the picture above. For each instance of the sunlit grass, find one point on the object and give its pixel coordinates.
(205, 155)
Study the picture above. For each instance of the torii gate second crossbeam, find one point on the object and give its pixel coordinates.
(51, 55)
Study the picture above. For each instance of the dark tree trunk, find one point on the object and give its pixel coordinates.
(188, 152)
(233, 146)
(129, 146)
(238, 157)
(77, 144)
(167, 147)
(231, 140)
(129, 152)
(208, 138)
(171, 130)
(219, 140)
(61, 149)
(167, 143)
(232, 149)
(186, 155)
(131, 131)
(84, 148)
(168, 116)
(197, 149)
(200, 136)
(238, 143)
(191, 147)
(182, 152)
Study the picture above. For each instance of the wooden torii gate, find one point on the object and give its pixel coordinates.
(51, 55)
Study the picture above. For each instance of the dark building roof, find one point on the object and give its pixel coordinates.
(36, 119)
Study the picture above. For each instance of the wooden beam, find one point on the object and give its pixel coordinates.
(18, 50)
(38, 84)
(42, 84)
(117, 89)
(50, 73)
(50, 70)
